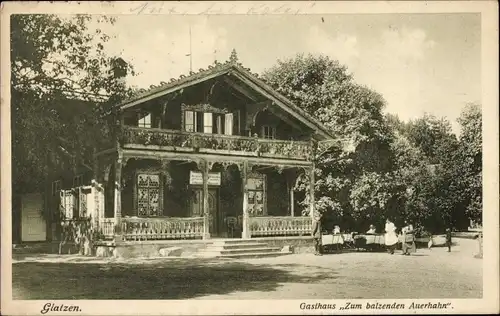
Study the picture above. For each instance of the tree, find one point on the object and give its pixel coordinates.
(442, 173)
(55, 61)
(468, 163)
(425, 151)
(353, 113)
(433, 136)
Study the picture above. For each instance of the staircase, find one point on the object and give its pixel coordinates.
(241, 248)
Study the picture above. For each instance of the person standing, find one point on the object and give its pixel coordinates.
(448, 239)
(391, 239)
(408, 242)
(338, 238)
(316, 234)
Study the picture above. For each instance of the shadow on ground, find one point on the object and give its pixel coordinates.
(171, 279)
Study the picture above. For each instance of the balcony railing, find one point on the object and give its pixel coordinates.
(162, 228)
(216, 143)
(280, 226)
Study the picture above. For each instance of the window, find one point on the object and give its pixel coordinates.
(256, 194)
(228, 124)
(268, 132)
(56, 187)
(145, 121)
(148, 195)
(218, 124)
(68, 204)
(190, 121)
(207, 123)
(77, 181)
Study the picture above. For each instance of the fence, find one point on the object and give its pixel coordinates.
(280, 226)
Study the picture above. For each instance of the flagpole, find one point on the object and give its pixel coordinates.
(190, 52)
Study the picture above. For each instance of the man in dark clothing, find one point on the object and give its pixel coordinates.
(448, 239)
(316, 234)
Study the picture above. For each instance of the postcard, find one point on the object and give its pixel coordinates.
(249, 157)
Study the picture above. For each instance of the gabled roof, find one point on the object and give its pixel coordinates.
(233, 67)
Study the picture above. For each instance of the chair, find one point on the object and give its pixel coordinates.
(348, 241)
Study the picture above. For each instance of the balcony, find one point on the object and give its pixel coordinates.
(180, 141)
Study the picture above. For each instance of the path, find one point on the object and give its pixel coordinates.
(427, 274)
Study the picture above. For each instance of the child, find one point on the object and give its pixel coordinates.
(448, 239)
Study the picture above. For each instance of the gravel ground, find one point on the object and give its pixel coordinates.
(426, 274)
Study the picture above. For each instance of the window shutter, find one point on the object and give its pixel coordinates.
(236, 123)
(218, 124)
(229, 124)
(215, 124)
(207, 123)
(189, 121)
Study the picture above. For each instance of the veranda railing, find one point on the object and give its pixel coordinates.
(162, 228)
(280, 226)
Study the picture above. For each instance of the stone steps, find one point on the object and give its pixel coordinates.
(240, 249)
(236, 245)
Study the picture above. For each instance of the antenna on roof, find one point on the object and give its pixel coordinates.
(190, 52)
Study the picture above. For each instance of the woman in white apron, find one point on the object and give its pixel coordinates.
(391, 239)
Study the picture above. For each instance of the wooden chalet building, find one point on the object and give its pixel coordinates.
(215, 154)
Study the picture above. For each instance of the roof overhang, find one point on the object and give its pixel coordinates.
(233, 70)
(290, 108)
(170, 88)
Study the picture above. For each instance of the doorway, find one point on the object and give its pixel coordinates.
(33, 223)
(215, 227)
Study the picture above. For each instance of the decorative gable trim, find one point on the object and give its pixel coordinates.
(175, 85)
(203, 108)
(283, 102)
(236, 70)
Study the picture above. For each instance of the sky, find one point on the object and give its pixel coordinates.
(420, 63)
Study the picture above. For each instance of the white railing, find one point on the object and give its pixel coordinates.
(280, 226)
(162, 228)
(107, 227)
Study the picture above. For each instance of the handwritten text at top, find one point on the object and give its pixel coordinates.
(215, 8)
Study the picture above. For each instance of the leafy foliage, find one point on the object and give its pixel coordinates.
(345, 177)
(468, 163)
(416, 171)
(443, 177)
(61, 83)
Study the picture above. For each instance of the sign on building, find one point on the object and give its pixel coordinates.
(196, 178)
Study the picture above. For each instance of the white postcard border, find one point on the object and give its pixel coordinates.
(489, 13)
